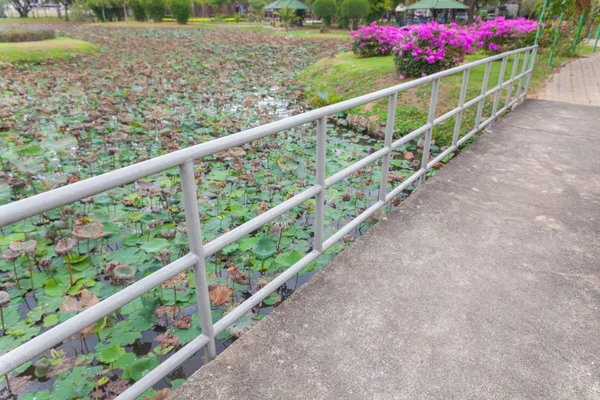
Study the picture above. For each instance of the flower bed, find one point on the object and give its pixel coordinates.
(429, 48)
(501, 34)
(374, 40)
(16, 33)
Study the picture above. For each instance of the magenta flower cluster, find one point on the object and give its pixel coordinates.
(373, 40)
(428, 48)
(501, 34)
(432, 47)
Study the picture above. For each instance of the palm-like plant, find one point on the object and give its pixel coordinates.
(288, 16)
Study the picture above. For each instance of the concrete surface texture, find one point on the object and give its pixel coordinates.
(484, 284)
(576, 82)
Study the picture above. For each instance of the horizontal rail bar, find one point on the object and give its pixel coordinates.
(233, 235)
(346, 229)
(473, 101)
(449, 114)
(396, 191)
(441, 156)
(346, 172)
(164, 369)
(42, 202)
(411, 136)
(467, 136)
(263, 293)
(73, 325)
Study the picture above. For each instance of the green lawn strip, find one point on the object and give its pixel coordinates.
(44, 49)
(344, 76)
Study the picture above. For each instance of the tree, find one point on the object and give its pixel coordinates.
(139, 12)
(201, 4)
(257, 5)
(354, 10)
(155, 9)
(66, 4)
(325, 9)
(378, 9)
(218, 5)
(22, 6)
(181, 10)
(288, 16)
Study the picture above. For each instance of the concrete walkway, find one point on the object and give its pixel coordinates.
(576, 82)
(484, 284)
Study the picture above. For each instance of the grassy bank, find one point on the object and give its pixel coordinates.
(345, 76)
(44, 49)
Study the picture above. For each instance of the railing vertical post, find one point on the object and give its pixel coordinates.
(500, 82)
(523, 69)
(435, 86)
(512, 76)
(320, 181)
(461, 103)
(528, 77)
(484, 84)
(190, 202)
(387, 143)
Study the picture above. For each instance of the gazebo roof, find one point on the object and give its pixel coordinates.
(437, 5)
(292, 4)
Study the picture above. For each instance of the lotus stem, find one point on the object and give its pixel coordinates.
(3, 328)
(16, 275)
(174, 302)
(31, 276)
(69, 268)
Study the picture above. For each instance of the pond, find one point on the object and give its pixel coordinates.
(149, 92)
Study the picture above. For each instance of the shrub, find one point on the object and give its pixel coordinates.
(430, 48)
(374, 40)
(106, 10)
(501, 34)
(139, 12)
(325, 9)
(25, 34)
(79, 12)
(181, 10)
(354, 10)
(155, 9)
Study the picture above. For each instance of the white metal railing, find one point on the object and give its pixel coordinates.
(195, 259)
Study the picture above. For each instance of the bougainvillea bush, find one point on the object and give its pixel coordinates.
(501, 34)
(373, 40)
(549, 32)
(430, 48)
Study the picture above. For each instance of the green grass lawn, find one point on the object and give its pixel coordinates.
(345, 76)
(44, 49)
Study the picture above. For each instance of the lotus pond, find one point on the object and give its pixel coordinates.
(146, 93)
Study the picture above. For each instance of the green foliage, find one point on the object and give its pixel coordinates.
(325, 9)
(288, 16)
(181, 10)
(355, 10)
(79, 12)
(218, 5)
(155, 9)
(138, 9)
(378, 9)
(106, 10)
(257, 5)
